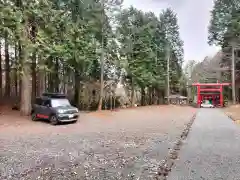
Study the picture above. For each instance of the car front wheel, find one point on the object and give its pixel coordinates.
(34, 116)
(53, 120)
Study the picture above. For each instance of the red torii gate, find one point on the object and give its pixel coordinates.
(218, 87)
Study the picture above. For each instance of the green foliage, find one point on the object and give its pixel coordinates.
(224, 31)
(225, 22)
(71, 35)
(144, 39)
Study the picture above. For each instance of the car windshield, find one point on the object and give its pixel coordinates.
(60, 102)
(206, 102)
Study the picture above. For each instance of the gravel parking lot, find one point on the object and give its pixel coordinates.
(127, 144)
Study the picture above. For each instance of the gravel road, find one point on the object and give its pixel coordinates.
(131, 148)
(211, 151)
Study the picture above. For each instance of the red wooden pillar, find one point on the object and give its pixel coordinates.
(214, 100)
(198, 96)
(221, 96)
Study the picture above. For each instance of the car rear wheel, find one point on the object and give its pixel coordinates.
(53, 120)
(34, 116)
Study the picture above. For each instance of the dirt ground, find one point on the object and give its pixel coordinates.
(123, 144)
(233, 112)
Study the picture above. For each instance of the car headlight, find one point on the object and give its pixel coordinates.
(60, 111)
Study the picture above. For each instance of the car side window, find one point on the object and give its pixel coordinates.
(46, 103)
(38, 101)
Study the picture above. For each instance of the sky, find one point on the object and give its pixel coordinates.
(193, 20)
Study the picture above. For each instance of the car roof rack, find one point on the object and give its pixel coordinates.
(54, 95)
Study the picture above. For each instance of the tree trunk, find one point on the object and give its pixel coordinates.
(41, 87)
(149, 96)
(102, 61)
(7, 68)
(46, 81)
(155, 97)
(159, 96)
(41, 77)
(132, 94)
(50, 81)
(20, 63)
(64, 80)
(102, 80)
(142, 96)
(111, 98)
(16, 69)
(100, 102)
(76, 88)
(34, 76)
(25, 93)
(0, 69)
(34, 60)
(57, 81)
(114, 102)
(25, 108)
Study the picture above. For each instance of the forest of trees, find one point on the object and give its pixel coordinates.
(224, 31)
(59, 45)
